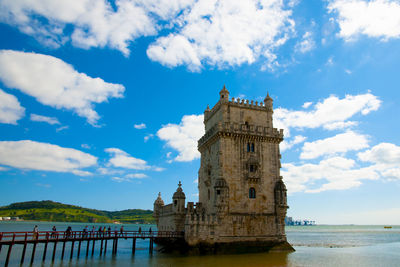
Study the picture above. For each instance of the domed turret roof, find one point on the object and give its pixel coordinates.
(179, 192)
(159, 200)
(267, 98)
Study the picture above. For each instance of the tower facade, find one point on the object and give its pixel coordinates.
(242, 197)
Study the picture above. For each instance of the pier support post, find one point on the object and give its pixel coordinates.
(101, 247)
(24, 249)
(133, 245)
(113, 246)
(79, 248)
(1, 237)
(151, 246)
(45, 247)
(63, 251)
(87, 249)
(54, 251)
(72, 250)
(33, 252)
(94, 241)
(105, 247)
(8, 254)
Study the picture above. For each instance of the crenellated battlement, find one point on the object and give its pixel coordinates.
(249, 130)
(236, 102)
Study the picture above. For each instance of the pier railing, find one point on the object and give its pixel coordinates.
(17, 237)
(46, 237)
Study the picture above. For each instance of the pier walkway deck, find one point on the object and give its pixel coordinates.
(24, 238)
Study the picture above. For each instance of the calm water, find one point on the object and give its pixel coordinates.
(315, 246)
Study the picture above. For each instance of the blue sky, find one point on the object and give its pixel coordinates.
(101, 102)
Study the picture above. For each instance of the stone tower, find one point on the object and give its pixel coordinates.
(242, 197)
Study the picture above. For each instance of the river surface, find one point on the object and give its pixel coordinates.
(324, 245)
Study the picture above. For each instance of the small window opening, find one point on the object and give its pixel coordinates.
(175, 202)
(208, 194)
(247, 124)
(218, 192)
(252, 147)
(252, 168)
(252, 192)
(222, 96)
(248, 147)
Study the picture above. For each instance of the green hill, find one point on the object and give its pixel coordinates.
(47, 210)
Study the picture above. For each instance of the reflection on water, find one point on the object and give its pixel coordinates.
(315, 246)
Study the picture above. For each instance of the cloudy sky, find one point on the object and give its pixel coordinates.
(101, 101)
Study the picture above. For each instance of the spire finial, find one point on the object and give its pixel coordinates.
(267, 98)
(180, 184)
(159, 194)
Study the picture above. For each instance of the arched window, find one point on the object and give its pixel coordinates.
(248, 147)
(209, 195)
(252, 147)
(252, 192)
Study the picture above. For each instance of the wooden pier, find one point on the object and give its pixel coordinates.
(77, 237)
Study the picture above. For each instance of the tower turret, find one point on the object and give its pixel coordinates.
(157, 207)
(268, 102)
(179, 199)
(224, 95)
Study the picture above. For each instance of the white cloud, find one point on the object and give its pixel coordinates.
(307, 104)
(329, 62)
(140, 126)
(129, 177)
(225, 33)
(383, 153)
(136, 175)
(55, 83)
(93, 23)
(147, 137)
(306, 44)
(40, 118)
(375, 18)
(386, 159)
(285, 145)
(183, 137)
(340, 125)
(31, 155)
(348, 71)
(10, 108)
(62, 128)
(336, 173)
(121, 159)
(110, 171)
(324, 114)
(339, 143)
(86, 146)
(119, 179)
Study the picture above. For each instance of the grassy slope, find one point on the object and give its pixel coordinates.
(54, 211)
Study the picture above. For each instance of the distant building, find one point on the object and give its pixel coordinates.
(242, 197)
(10, 219)
(291, 222)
